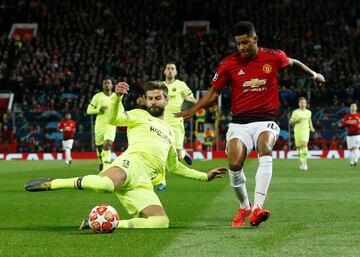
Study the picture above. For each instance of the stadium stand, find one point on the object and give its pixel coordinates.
(80, 42)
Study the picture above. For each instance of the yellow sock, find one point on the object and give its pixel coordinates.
(305, 152)
(106, 158)
(300, 154)
(99, 153)
(150, 222)
(91, 182)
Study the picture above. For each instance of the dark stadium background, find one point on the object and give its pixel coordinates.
(78, 43)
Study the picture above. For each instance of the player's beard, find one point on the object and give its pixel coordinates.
(156, 111)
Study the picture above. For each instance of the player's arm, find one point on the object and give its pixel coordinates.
(92, 107)
(60, 126)
(117, 116)
(311, 125)
(294, 119)
(299, 66)
(176, 167)
(188, 95)
(204, 101)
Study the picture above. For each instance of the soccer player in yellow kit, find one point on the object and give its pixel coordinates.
(178, 93)
(132, 175)
(104, 132)
(301, 119)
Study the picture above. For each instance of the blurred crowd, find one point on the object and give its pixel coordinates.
(78, 43)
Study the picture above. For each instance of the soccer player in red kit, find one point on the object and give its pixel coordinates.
(68, 127)
(251, 74)
(352, 122)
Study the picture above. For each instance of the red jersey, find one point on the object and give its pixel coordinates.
(352, 122)
(68, 127)
(253, 84)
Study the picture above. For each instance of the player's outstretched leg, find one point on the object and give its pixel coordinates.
(95, 183)
(38, 184)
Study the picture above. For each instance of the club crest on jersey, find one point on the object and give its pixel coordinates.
(254, 83)
(267, 68)
(215, 77)
(241, 72)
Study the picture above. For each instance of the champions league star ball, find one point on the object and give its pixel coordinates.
(103, 219)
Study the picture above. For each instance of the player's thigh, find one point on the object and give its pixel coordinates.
(264, 141)
(68, 143)
(110, 133)
(99, 136)
(179, 134)
(301, 138)
(353, 142)
(241, 132)
(136, 200)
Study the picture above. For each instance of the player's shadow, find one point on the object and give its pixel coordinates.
(46, 228)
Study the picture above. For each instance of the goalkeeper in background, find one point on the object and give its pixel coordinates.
(104, 132)
(132, 175)
(301, 119)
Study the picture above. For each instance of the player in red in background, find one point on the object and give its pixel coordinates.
(68, 127)
(251, 74)
(352, 122)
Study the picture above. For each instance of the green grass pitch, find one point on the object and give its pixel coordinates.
(314, 213)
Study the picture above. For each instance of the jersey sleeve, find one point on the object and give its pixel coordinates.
(60, 125)
(118, 116)
(186, 92)
(293, 116)
(343, 123)
(283, 59)
(174, 166)
(93, 107)
(221, 78)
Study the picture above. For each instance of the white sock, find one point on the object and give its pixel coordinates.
(351, 156)
(356, 155)
(262, 180)
(67, 155)
(237, 181)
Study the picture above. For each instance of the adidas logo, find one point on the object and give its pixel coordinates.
(241, 72)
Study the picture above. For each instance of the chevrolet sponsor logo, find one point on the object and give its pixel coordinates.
(254, 83)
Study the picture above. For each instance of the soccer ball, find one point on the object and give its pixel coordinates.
(103, 219)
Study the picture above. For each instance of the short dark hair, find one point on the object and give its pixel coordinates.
(244, 28)
(302, 98)
(170, 62)
(154, 85)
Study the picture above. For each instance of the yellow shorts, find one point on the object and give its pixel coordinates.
(104, 133)
(179, 132)
(301, 137)
(137, 192)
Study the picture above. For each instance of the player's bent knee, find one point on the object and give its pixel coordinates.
(159, 221)
(237, 178)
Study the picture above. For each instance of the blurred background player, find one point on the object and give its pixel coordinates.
(352, 122)
(68, 127)
(133, 173)
(251, 72)
(178, 93)
(301, 119)
(104, 132)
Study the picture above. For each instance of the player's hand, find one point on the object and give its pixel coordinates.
(312, 130)
(141, 101)
(319, 79)
(121, 88)
(103, 109)
(216, 173)
(185, 114)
